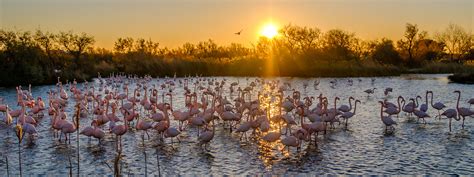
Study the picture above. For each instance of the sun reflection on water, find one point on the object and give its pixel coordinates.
(271, 152)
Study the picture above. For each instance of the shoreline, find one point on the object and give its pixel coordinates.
(448, 75)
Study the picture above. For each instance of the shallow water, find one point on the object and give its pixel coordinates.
(363, 148)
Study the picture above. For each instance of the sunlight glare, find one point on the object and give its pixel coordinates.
(269, 31)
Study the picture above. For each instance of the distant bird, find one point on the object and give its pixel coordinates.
(370, 91)
(238, 33)
(387, 91)
(471, 102)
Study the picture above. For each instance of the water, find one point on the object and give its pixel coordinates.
(413, 148)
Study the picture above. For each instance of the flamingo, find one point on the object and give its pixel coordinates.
(345, 108)
(171, 132)
(206, 137)
(271, 137)
(120, 130)
(243, 128)
(421, 115)
(410, 107)
(347, 115)
(424, 107)
(438, 105)
(462, 112)
(450, 114)
(144, 126)
(387, 120)
(392, 110)
(290, 141)
(67, 128)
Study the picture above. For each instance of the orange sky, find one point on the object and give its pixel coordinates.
(173, 22)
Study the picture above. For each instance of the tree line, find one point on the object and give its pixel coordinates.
(40, 57)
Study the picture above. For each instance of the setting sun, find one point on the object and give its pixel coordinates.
(269, 31)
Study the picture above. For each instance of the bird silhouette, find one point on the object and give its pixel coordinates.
(238, 33)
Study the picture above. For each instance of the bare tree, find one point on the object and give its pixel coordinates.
(47, 42)
(409, 45)
(457, 41)
(123, 45)
(300, 39)
(75, 44)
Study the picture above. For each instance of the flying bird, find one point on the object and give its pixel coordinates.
(238, 33)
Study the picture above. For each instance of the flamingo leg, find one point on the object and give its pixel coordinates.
(449, 124)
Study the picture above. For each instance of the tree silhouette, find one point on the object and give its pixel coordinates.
(457, 41)
(75, 44)
(408, 45)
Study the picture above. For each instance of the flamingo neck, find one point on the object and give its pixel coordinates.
(459, 97)
(350, 104)
(426, 98)
(431, 99)
(381, 111)
(399, 108)
(355, 107)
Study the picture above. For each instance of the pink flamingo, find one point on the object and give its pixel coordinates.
(387, 120)
(290, 141)
(450, 114)
(144, 126)
(438, 105)
(462, 112)
(271, 137)
(120, 130)
(206, 137)
(392, 110)
(67, 128)
(424, 107)
(347, 115)
(345, 108)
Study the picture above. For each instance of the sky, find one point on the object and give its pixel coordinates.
(174, 22)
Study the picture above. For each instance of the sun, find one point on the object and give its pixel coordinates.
(269, 31)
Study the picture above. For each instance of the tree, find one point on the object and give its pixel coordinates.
(263, 47)
(207, 49)
(146, 46)
(385, 53)
(189, 49)
(237, 50)
(48, 43)
(457, 41)
(75, 44)
(339, 44)
(429, 49)
(300, 39)
(408, 45)
(123, 45)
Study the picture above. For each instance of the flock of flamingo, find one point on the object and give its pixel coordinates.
(267, 110)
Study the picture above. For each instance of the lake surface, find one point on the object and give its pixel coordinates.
(363, 148)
